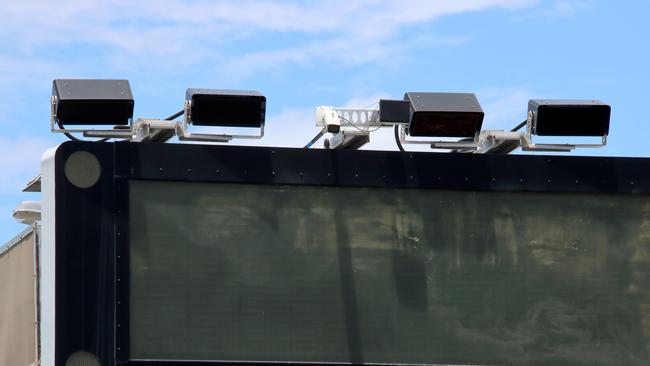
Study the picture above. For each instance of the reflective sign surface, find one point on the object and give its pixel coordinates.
(314, 274)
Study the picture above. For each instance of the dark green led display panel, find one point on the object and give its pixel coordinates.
(368, 275)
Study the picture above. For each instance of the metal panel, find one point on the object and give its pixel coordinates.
(102, 245)
(569, 117)
(483, 172)
(80, 101)
(18, 309)
(444, 114)
(216, 107)
(394, 110)
(85, 257)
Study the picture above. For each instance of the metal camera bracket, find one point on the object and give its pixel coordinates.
(183, 133)
(471, 144)
(87, 132)
(149, 129)
(529, 145)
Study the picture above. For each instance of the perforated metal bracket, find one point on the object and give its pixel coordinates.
(361, 119)
(350, 127)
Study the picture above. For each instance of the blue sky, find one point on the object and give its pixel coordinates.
(301, 54)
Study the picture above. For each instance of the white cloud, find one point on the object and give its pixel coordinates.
(228, 41)
(366, 102)
(566, 8)
(363, 16)
(20, 161)
(293, 127)
(555, 9)
(175, 33)
(19, 79)
(504, 107)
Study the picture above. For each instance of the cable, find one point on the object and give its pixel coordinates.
(324, 130)
(370, 105)
(313, 141)
(66, 133)
(357, 127)
(519, 126)
(175, 115)
(71, 137)
(397, 141)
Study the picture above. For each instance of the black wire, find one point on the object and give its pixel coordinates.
(313, 141)
(66, 133)
(175, 115)
(73, 138)
(519, 126)
(357, 127)
(399, 143)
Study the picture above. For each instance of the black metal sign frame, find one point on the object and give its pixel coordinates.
(92, 224)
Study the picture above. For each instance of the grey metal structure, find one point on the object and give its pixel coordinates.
(81, 102)
(553, 117)
(19, 299)
(155, 254)
(444, 114)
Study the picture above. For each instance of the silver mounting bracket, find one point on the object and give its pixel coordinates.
(348, 140)
(113, 133)
(529, 145)
(183, 133)
(469, 144)
(503, 142)
(499, 142)
(153, 130)
(150, 130)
